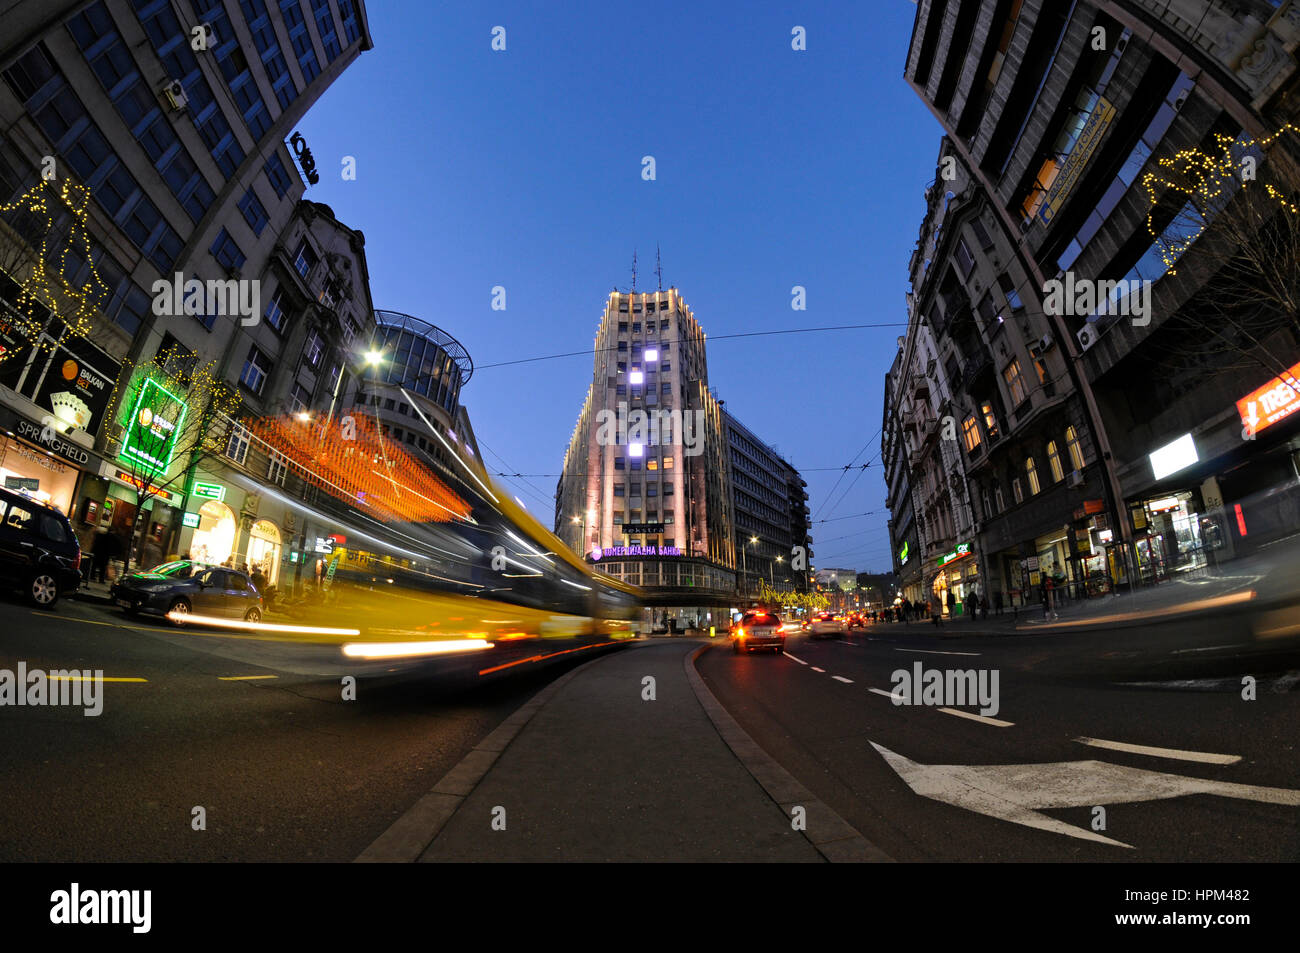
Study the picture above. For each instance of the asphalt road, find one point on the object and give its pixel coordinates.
(1167, 686)
(284, 768)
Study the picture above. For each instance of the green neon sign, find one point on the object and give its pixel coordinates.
(153, 428)
(962, 550)
(210, 491)
(190, 519)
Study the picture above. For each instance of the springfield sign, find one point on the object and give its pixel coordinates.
(635, 551)
(155, 424)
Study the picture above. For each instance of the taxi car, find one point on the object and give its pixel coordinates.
(758, 629)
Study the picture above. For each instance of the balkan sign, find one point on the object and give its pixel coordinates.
(156, 423)
(961, 552)
(1266, 406)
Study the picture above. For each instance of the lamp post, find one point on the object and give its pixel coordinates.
(779, 559)
(744, 560)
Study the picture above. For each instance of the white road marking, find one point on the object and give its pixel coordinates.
(841, 678)
(1208, 648)
(1016, 792)
(934, 652)
(799, 660)
(1155, 752)
(816, 669)
(983, 719)
(881, 691)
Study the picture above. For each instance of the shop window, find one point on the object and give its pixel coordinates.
(1054, 462)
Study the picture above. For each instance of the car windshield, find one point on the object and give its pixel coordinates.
(760, 618)
(175, 568)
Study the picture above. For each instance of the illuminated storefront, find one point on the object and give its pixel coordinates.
(214, 538)
(37, 473)
(957, 581)
(264, 549)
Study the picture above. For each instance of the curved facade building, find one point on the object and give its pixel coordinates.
(431, 366)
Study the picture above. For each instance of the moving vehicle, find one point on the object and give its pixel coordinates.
(826, 623)
(224, 593)
(856, 621)
(758, 629)
(39, 553)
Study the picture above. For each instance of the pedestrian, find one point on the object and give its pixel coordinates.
(258, 579)
(935, 612)
(997, 602)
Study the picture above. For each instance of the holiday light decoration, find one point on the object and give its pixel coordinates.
(45, 291)
(354, 463)
(1209, 181)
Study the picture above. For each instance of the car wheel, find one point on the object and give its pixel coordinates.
(179, 607)
(253, 615)
(43, 590)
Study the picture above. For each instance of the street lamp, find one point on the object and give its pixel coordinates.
(779, 559)
(744, 560)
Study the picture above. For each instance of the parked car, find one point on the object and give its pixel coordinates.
(224, 593)
(39, 553)
(176, 569)
(758, 629)
(827, 623)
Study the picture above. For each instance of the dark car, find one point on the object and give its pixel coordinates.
(39, 553)
(758, 630)
(223, 593)
(129, 586)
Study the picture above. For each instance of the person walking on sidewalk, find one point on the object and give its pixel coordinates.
(935, 612)
(1049, 599)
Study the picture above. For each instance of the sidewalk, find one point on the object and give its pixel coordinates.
(591, 771)
(1273, 574)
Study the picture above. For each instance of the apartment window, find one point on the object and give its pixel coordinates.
(668, 514)
(666, 388)
(652, 489)
(981, 234)
(277, 175)
(237, 444)
(1031, 471)
(1016, 491)
(619, 489)
(1072, 444)
(254, 212)
(313, 349)
(256, 370)
(620, 390)
(668, 489)
(226, 252)
(990, 419)
(277, 468)
(619, 463)
(636, 463)
(665, 367)
(305, 258)
(997, 497)
(618, 519)
(1009, 292)
(636, 327)
(300, 398)
(1015, 383)
(971, 432)
(622, 346)
(274, 313)
(984, 497)
(965, 260)
(668, 463)
(1054, 462)
(622, 327)
(652, 464)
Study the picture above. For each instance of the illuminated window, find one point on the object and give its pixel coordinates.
(990, 419)
(1015, 383)
(1072, 443)
(652, 464)
(1054, 461)
(1031, 470)
(971, 433)
(668, 463)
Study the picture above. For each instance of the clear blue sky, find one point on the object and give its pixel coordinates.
(522, 168)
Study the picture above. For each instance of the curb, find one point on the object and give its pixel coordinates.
(835, 839)
(411, 834)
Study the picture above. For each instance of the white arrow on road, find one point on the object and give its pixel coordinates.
(1017, 792)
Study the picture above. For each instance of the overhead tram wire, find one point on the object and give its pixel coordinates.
(715, 337)
(850, 465)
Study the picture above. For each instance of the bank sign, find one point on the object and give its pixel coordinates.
(635, 551)
(961, 552)
(156, 422)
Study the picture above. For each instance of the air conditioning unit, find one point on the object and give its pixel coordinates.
(174, 93)
(1087, 336)
(1182, 98)
(1045, 344)
(1075, 479)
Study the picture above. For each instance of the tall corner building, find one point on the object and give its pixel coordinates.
(644, 491)
(661, 486)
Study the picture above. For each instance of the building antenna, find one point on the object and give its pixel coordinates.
(633, 271)
(659, 268)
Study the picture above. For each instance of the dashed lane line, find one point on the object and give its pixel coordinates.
(841, 678)
(1200, 756)
(934, 652)
(243, 678)
(982, 719)
(816, 669)
(789, 656)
